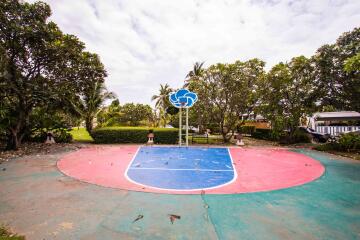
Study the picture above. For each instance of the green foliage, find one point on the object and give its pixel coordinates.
(226, 91)
(129, 114)
(300, 137)
(327, 147)
(39, 66)
(249, 130)
(93, 93)
(296, 137)
(283, 137)
(133, 114)
(195, 74)
(110, 112)
(335, 75)
(162, 102)
(352, 64)
(47, 119)
(263, 133)
(134, 135)
(349, 142)
(288, 93)
(61, 135)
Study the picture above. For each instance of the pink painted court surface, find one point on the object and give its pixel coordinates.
(255, 170)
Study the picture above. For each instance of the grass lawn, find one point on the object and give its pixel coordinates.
(81, 135)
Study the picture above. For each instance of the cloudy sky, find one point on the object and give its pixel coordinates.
(144, 43)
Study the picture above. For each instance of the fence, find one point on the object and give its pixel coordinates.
(336, 130)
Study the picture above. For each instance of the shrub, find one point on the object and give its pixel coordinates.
(247, 130)
(347, 142)
(134, 135)
(61, 135)
(328, 147)
(298, 136)
(263, 133)
(214, 128)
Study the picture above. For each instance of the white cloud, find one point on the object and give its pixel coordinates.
(145, 43)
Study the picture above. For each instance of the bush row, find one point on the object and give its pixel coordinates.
(263, 133)
(267, 134)
(348, 142)
(248, 130)
(134, 135)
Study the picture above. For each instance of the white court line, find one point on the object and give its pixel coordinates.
(184, 169)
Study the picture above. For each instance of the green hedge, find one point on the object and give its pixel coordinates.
(263, 133)
(247, 130)
(282, 137)
(297, 137)
(134, 135)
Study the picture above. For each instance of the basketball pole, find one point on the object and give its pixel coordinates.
(187, 127)
(180, 132)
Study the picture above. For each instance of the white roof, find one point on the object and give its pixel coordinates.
(343, 115)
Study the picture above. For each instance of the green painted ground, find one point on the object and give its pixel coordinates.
(328, 208)
(38, 201)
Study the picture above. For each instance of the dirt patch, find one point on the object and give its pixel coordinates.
(29, 148)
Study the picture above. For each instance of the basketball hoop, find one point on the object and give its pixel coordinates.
(183, 101)
(183, 98)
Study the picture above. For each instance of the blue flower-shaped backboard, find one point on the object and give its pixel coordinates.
(183, 98)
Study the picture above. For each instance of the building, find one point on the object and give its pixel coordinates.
(335, 123)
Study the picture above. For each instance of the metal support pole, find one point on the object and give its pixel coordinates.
(180, 127)
(187, 127)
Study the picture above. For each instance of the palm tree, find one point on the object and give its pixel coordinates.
(195, 73)
(162, 100)
(91, 103)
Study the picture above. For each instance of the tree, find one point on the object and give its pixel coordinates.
(110, 112)
(128, 114)
(352, 64)
(134, 114)
(89, 100)
(336, 86)
(287, 94)
(162, 101)
(39, 64)
(194, 74)
(228, 91)
(90, 104)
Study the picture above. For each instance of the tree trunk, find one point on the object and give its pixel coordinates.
(89, 124)
(16, 133)
(224, 133)
(13, 141)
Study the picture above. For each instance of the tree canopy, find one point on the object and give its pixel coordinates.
(227, 92)
(288, 93)
(40, 66)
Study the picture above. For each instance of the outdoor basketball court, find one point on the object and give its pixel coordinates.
(216, 193)
(191, 170)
